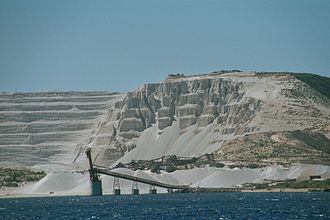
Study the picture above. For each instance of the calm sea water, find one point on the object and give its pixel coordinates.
(172, 206)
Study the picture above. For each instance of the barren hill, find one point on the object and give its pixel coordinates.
(234, 118)
(255, 116)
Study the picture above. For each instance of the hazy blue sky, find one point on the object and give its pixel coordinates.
(118, 45)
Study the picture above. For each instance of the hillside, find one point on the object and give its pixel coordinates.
(269, 121)
(318, 83)
(219, 113)
(45, 127)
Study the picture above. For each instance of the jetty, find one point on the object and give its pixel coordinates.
(96, 183)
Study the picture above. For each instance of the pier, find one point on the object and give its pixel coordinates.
(96, 182)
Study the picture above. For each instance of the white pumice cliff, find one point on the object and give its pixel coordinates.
(236, 117)
(192, 116)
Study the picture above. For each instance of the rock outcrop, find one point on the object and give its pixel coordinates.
(188, 101)
(191, 116)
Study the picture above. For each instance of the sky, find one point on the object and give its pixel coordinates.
(118, 45)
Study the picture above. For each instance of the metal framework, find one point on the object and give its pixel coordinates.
(95, 170)
(139, 179)
(135, 185)
(116, 184)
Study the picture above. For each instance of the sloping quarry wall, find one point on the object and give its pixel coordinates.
(43, 127)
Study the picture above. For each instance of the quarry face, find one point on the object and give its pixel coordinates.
(197, 115)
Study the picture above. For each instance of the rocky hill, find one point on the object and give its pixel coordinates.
(225, 129)
(235, 116)
(265, 117)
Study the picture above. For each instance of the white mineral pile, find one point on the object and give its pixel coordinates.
(78, 183)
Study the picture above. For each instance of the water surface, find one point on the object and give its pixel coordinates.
(172, 206)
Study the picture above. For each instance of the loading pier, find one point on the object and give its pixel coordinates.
(96, 182)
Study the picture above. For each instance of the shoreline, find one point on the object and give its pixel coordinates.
(290, 190)
(248, 190)
(195, 190)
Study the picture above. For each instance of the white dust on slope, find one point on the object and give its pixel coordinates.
(191, 142)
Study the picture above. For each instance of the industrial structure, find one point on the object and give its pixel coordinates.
(96, 183)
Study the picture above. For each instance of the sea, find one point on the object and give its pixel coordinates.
(171, 206)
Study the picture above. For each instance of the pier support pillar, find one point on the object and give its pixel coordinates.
(169, 190)
(96, 183)
(96, 186)
(135, 188)
(152, 190)
(116, 186)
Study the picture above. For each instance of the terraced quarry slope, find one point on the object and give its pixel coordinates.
(46, 127)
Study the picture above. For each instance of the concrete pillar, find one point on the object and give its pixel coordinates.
(116, 186)
(96, 183)
(135, 191)
(135, 188)
(152, 190)
(96, 186)
(116, 192)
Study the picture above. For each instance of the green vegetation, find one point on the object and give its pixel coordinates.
(217, 165)
(254, 166)
(179, 75)
(170, 169)
(312, 139)
(155, 167)
(13, 177)
(233, 166)
(304, 146)
(323, 184)
(174, 76)
(318, 83)
(172, 163)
